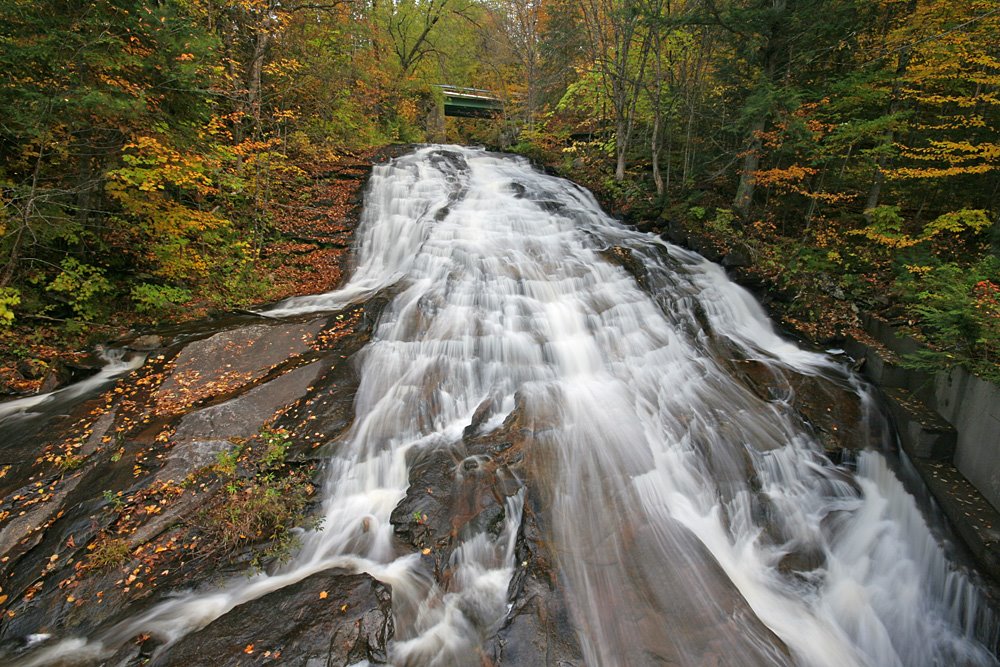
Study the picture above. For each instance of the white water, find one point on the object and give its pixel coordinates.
(642, 448)
(117, 363)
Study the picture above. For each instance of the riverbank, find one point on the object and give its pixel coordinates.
(946, 419)
(311, 217)
(199, 466)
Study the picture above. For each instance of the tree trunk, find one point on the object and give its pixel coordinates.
(877, 181)
(670, 152)
(26, 214)
(770, 54)
(254, 71)
(655, 152)
(751, 161)
(621, 145)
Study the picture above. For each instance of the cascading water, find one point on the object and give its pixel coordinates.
(675, 495)
(117, 363)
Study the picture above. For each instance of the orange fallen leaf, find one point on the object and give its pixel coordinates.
(323, 595)
(249, 649)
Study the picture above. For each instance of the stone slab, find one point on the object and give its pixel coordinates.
(922, 432)
(203, 434)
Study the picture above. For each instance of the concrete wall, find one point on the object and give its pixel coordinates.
(972, 406)
(969, 404)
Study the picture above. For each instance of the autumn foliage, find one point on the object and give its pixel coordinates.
(152, 155)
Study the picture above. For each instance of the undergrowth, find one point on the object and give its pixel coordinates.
(262, 498)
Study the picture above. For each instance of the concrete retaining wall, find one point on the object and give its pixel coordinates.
(961, 420)
(972, 406)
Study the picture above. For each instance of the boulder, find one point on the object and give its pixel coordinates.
(146, 343)
(329, 618)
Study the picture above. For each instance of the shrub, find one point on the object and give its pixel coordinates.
(107, 552)
(959, 314)
(9, 297)
(82, 285)
(150, 298)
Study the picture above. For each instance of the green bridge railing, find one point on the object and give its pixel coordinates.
(470, 102)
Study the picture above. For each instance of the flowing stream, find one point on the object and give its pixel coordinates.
(116, 364)
(675, 496)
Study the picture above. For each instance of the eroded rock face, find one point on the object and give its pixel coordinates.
(114, 478)
(832, 409)
(538, 629)
(330, 618)
(232, 359)
(460, 491)
(625, 258)
(146, 343)
(203, 434)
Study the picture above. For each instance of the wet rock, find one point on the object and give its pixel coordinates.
(478, 495)
(716, 623)
(11, 382)
(26, 528)
(422, 517)
(704, 245)
(538, 629)
(828, 405)
(330, 618)
(746, 276)
(738, 256)
(203, 434)
(232, 359)
(190, 455)
(98, 431)
(802, 561)
(648, 226)
(451, 498)
(57, 375)
(84, 367)
(625, 258)
(675, 233)
(32, 369)
(146, 343)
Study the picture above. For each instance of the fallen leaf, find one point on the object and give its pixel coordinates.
(323, 595)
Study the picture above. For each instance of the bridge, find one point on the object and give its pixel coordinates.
(470, 102)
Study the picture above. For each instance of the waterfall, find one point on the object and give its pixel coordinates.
(691, 518)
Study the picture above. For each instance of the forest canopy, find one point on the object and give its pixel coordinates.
(849, 147)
